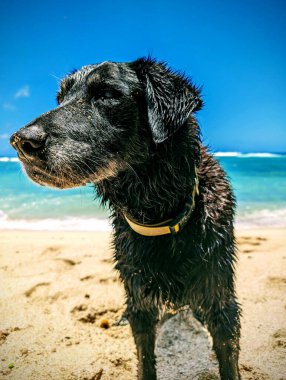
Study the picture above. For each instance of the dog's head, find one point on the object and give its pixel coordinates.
(109, 115)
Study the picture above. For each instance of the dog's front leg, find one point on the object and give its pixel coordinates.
(143, 325)
(224, 326)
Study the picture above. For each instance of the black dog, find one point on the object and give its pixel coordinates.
(130, 129)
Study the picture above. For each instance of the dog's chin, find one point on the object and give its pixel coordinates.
(49, 179)
(63, 179)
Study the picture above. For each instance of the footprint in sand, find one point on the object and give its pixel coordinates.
(96, 376)
(81, 307)
(36, 289)
(84, 313)
(278, 282)
(5, 333)
(69, 262)
(52, 250)
(250, 241)
(279, 339)
(259, 238)
(103, 280)
(87, 277)
(108, 280)
(250, 373)
(42, 290)
(108, 260)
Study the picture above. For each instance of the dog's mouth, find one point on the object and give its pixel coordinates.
(65, 176)
(42, 174)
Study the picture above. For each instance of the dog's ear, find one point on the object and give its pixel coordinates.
(170, 97)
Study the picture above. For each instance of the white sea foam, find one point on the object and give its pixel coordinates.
(227, 154)
(262, 218)
(245, 155)
(9, 159)
(260, 155)
(67, 224)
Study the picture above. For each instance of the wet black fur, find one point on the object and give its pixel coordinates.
(147, 129)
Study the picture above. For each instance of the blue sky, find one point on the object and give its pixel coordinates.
(235, 49)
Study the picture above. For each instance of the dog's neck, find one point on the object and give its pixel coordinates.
(158, 189)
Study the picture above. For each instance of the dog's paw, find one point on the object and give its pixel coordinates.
(122, 321)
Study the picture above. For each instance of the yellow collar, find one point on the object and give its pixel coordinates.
(170, 226)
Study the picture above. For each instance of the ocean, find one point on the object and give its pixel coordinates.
(258, 180)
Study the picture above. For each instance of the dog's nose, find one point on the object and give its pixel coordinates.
(29, 140)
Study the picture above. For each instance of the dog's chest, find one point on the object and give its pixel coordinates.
(156, 270)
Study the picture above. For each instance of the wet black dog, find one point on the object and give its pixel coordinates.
(130, 129)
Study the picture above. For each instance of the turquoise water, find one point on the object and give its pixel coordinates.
(22, 198)
(259, 183)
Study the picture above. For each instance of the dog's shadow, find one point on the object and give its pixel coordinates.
(183, 350)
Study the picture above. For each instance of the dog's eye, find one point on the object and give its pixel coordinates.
(107, 94)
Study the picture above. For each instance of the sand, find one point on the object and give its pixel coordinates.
(60, 298)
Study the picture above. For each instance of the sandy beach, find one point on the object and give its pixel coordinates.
(60, 298)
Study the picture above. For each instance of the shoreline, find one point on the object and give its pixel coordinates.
(97, 224)
(58, 289)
